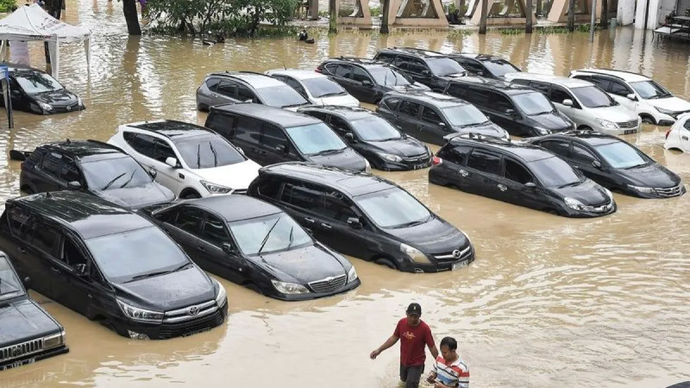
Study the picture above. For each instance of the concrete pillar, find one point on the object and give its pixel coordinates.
(657, 10)
(626, 12)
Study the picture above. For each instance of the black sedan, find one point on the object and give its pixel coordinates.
(614, 163)
(374, 138)
(37, 92)
(255, 244)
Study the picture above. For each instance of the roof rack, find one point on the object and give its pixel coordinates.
(478, 136)
(360, 60)
(252, 72)
(421, 50)
(579, 132)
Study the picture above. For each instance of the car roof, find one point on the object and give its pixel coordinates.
(524, 151)
(280, 117)
(18, 67)
(590, 137)
(172, 129)
(85, 149)
(480, 57)
(626, 75)
(423, 53)
(297, 73)
(257, 80)
(88, 215)
(346, 112)
(553, 79)
(346, 181)
(509, 88)
(235, 207)
(432, 98)
(363, 62)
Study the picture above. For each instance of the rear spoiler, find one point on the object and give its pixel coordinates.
(20, 155)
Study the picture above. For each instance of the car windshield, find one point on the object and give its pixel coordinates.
(281, 96)
(315, 139)
(277, 232)
(464, 115)
(622, 155)
(323, 87)
(650, 90)
(554, 172)
(119, 256)
(387, 77)
(393, 208)
(374, 128)
(444, 66)
(208, 152)
(593, 97)
(10, 286)
(115, 174)
(533, 104)
(35, 82)
(500, 67)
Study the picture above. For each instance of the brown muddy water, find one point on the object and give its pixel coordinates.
(549, 302)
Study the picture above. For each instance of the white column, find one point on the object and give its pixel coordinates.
(639, 14)
(626, 12)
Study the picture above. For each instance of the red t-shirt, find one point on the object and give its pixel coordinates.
(412, 342)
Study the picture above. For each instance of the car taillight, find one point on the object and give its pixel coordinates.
(435, 161)
(318, 70)
(668, 131)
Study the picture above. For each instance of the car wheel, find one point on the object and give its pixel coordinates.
(647, 120)
(190, 195)
(27, 190)
(386, 263)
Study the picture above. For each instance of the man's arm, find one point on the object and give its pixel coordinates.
(389, 342)
(433, 350)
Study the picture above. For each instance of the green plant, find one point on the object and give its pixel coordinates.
(511, 31)
(553, 30)
(375, 11)
(8, 5)
(460, 33)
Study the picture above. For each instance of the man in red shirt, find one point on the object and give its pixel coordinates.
(414, 335)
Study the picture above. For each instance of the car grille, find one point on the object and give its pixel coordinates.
(598, 209)
(22, 349)
(669, 191)
(627, 124)
(190, 327)
(190, 312)
(417, 158)
(328, 284)
(457, 254)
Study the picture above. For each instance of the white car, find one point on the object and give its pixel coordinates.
(190, 160)
(652, 102)
(678, 137)
(586, 104)
(315, 87)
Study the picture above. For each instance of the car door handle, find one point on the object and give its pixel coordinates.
(309, 220)
(326, 226)
(502, 187)
(684, 137)
(21, 250)
(463, 172)
(201, 249)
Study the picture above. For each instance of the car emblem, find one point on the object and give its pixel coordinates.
(16, 351)
(194, 310)
(457, 253)
(69, 108)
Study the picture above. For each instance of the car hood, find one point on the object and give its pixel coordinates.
(454, 76)
(671, 103)
(652, 175)
(24, 320)
(432, 237)
(347, 159)
(486, 129)
(344, 100)
(616, 113)
(551, 121)
(136, 197)
(170, 291)
(237, 176)
(61, 97)
(587, 192)
(302, 265)
(403, 147)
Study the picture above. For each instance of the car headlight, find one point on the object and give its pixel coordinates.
(665, 111)
(45, 106)
(608, 192)
(351, 275)
(415, 254)
(215, 189)
(574, 203)
(643, 190)
(607, 124)
(53, 341)
(390, 157)
(289, 288)
(542, 131)
(222, 295)
(138, 314)
(367, 166)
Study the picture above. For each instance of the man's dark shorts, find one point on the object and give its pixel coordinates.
(411, 375)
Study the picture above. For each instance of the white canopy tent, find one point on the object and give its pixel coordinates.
(32, 23)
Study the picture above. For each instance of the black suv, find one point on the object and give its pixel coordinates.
(364, 216)
(270, 135)
(92, 166)
(365, 79)
(27, 332)
(374, 137)
(430, 116)
(430, 68)
(521, 110)
(110, 265)
(518, 173)
(483, 65)
(614, 163)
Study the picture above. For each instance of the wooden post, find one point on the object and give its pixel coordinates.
(129, 8)
(482, 20)
(604, 22)
(594, 18)
(571, 15)
(528, 14)
(384, 15)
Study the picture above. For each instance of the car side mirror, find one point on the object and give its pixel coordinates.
(80, 269)
(510, 112)
(74, 185)
(426, 73)
(281, 148)
(16, 92)
(480, 73)
(568, 102)
(354, 223)
(249, 101)
(172, 162)
(632, 97)
(228, 248)
(366, 82)
(350, 137)
(531, 185)
(596, 164)
(153, 173)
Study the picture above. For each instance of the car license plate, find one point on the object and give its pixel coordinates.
(196, 332)
(629, 131)
(17, 364)
(419, 166)
(459, 265)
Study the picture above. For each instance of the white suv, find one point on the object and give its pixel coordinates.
(192, 161)
(315, 87)
(586, 104)
(652, 102)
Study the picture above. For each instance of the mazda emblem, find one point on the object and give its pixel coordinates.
(457, 253)
(194, 310)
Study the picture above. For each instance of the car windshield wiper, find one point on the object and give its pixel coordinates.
(198, 155)
(183, 266)
(113, 181)
(332, 94)
(265, 240)
(569, 184)
(328, 152)
(130, 178)
(291, 238)
(413, 223)
(148, 275)
(215, 155)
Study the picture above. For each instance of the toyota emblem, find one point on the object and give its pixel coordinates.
(194, 310)
(457, 253)
(69, 108)
(16, 351)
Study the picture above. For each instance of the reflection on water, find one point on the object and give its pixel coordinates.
(548, 302)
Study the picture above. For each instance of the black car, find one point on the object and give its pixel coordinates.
(427, 67)
(110, 265)
(522, 174)
(364, 216)
(430, 116)
(35, 91)
(483, 65)
(614, 164)
(270, 135)
(365, 79)
(255, 244)
(374, 137)
(91, 166)
(521, 110)
(27, 332)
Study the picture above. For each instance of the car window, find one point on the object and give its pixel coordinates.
(650, 89)
(593, 97)
(359, 75)
(189, 219)
(599, 81)
(500, 102)
(478, 97)
(409, 108)
(276, 232)
(248, 130)
(472, 66)
(297, 86)
(143, 144)
(315, 138)
(516, 172)
(45, 237)
(583, 155)
(411, 65)
(391, 103)
(393, 208)
(374, 128)
(533, 104)
(384, 75)
(33, 82)
(687, 124)
(162, 150)
(457, 90)
(337, 207)
(212, 83)
(227, 89)
(10, 285)
(73, 256)
(245, 94)
(485, 162)
(69, 171)
(208, 151)
(500, 67)
(342, 71)
(457, 155)
(51, 163)
(430, 116)
(385, 57)
(558, 95)
(559, 148)
(214, 231)
(304, 196)
(268, 187)
(117, 173)
(555, 172)
(222, 123)
(273, 136)
(18, 220)
(622, 155)
(619, 89)
(339, 124)
(281, 96)
(542, 87)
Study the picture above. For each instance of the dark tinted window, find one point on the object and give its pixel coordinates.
(227, 89)
(544, 88)
(600, 82)
(342, 71)
(472, 66)
(244, 93)
(409, 108)
(73, 256)
(304, 196)
(500, 102)
(359, 75)
(208, 151)
(189, 219)
(143, 144)
(318, 115)
(212, 83)
(478, 97)
(687, 124)
(559, 94)
(69, 171)
(391, 103)
(385, 57)
(430, 116)
(163, 150)
(18, 221)
(222, 123)
(51, 163)
(248, 129)
(457, 90)
(457, 154)
(339, 125)
(581, 154)
(516, 172)
(268, 187)
(411, 65)
(337, 207)
(295, 85)
(45, 237)
(557, 147)
(214, 231)
(486, 162)
(618, 88)
(273, 136)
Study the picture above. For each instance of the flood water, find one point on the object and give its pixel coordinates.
(549, 301)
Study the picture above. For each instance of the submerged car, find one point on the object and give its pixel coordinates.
(678, 136)
(364, 216)
(94, 167)
(522, 174)
(255, 244)
(317, 88)
(110, 265)
(35, 91)
(27, 332)
(485, 65)
(613, 163)
(427, 67)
